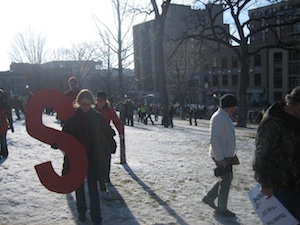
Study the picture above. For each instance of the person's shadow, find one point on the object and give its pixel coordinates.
(2, 160)
(113, 208)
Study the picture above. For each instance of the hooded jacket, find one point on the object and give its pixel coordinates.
(277, 156)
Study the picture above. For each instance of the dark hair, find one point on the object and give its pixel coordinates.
(101, 94)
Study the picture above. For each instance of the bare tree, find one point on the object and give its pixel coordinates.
(159, 21)
(86, 56)
(28, 47)
(119, 41)
(208, 29)
(108, 58)
(182, 71)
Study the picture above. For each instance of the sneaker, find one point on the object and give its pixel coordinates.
(209, 202)
(225, 212)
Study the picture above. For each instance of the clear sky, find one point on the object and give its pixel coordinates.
(62, 22)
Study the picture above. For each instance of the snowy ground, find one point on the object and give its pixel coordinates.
(168, 171)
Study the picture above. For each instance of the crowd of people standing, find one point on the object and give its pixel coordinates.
(275, 163)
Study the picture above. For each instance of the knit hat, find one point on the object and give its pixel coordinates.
(101, 94)
(228, 100)
(294, 97)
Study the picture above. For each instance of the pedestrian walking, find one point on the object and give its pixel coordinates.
(17, 104)
(222, 150)
(129, 112)
(148, 115)
(171, 115)
(277, 156)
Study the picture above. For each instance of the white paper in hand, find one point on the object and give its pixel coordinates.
(270, 211)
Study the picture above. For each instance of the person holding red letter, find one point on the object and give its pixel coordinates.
(91, 129)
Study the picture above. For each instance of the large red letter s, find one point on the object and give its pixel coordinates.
(67, 143)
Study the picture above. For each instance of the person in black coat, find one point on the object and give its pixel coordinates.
(6, 123)
(91, 129)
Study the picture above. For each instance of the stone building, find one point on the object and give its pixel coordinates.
(273, 71)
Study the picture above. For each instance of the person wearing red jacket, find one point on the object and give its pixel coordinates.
(6, 123)
(74, 89)
(103, 106)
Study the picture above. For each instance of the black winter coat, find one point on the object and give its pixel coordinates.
(98, 134)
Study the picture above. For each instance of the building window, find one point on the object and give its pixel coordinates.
(294, 56)
(257, 60)
(235, 79)
(224, 62)
(294, 81)
(234, 62)
(277, 70)
(224, 80)
(294, 68)
(215, 80)
(257, 79)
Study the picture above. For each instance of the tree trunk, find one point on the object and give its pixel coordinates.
(242, 103)
(160, 69)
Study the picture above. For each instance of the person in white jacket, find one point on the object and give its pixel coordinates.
(222, 149)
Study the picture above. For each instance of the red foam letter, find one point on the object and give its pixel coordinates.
(71, 146)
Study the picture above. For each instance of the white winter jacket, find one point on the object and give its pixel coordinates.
(222, 136)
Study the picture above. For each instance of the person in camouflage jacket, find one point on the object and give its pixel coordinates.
(277, 156)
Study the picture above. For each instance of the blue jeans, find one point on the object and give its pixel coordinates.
(291, 201)
(93, 194)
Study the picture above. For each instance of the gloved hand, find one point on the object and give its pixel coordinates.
(54, 146)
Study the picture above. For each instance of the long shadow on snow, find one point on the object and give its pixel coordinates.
(113, 208)
(154, 196)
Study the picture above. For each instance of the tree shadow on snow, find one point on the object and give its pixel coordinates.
(172, 213)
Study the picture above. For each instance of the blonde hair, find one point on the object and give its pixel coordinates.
(84, 93)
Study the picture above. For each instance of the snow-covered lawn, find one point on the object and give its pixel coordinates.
(168, 171)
